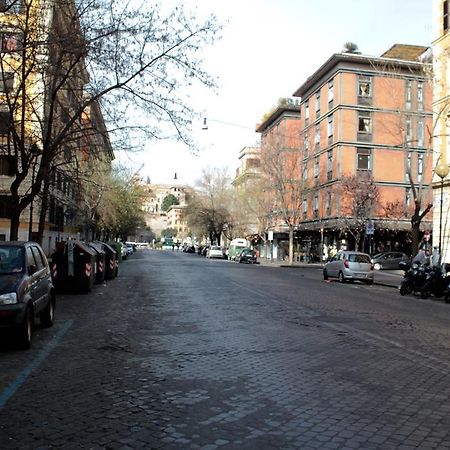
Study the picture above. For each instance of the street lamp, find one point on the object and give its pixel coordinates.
(441, 171)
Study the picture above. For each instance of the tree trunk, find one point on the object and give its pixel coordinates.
(14, 225)
(415, 234)
(291, 245)
(43, 211)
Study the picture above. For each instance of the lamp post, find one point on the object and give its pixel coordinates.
(441, 171)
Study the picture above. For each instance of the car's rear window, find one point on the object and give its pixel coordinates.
(359, 258)
(214, 247)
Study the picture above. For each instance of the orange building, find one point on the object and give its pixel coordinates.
(280, 195)
(368, 118)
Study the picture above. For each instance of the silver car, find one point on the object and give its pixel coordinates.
(349, 266)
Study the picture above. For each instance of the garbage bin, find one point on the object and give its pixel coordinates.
(73, 267)
(117, 246)
(100, 262)
(111, 262)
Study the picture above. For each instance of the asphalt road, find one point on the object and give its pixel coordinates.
(181, 352)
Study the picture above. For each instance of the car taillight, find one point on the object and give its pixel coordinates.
(346, 264)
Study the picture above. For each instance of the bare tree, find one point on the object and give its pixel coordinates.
(282, 186)
(209, 210)
(134, 58)
(361, 198)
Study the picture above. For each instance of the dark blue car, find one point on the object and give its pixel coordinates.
(26, 290)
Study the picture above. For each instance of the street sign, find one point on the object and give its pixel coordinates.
(370, 227)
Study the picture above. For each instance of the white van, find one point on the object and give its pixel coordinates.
(236, 245)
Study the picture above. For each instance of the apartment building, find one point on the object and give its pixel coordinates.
(441, 111)
(280, 189)
(366, 117)
(44, 145)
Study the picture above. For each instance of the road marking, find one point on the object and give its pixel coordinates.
(9, 391)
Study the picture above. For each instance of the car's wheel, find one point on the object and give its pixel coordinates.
(325, 274)
(447, 298)
(25, 330)
(341, 277)
(403, 290)
(424, 293)
(377, 266)
(369, 282)
(48, 315)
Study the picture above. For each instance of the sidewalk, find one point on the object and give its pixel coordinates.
(388, 278)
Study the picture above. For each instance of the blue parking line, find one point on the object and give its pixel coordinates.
(9, 391)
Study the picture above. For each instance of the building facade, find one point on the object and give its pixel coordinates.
(280, 190)
(368, 118)
(49, 134)
(441, 111)
(158, 219)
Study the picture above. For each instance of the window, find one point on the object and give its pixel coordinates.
(419, 95)
(304, 208)
(5, 122)
(10, 42)
(330, 129)
(364, 123)
(328, 204)
(420, 132)
(316, 206)
(330, 165)
(316, 167)
(330, 93)
(420, 166)
(364, 86)
(6, 82)
(408, 89)
(408, 196)
(306, 113)
(445, 12)
(317, 136)
(6, 165)
(306, 145)
(363, 158)
(5, 206)
(317, 103)
(408, 130)
(305, 172)
(408, 165)
(11, 6)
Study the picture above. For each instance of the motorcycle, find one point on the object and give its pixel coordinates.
(426, 280)
(414, 279)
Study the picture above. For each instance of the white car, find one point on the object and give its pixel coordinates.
(215, 251)
(349, 266)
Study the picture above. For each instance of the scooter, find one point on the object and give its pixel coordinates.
(414, 279)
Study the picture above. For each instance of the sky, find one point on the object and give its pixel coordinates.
(268, 49)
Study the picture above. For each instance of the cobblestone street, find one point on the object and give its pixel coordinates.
(181, 352)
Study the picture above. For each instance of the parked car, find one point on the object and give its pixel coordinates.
(349, 266)
(26, 290)
(215, 251)
(129, 249)
(246, 255)
(389, 260)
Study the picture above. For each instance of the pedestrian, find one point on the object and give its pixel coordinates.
(421, 257)
(435, 257)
